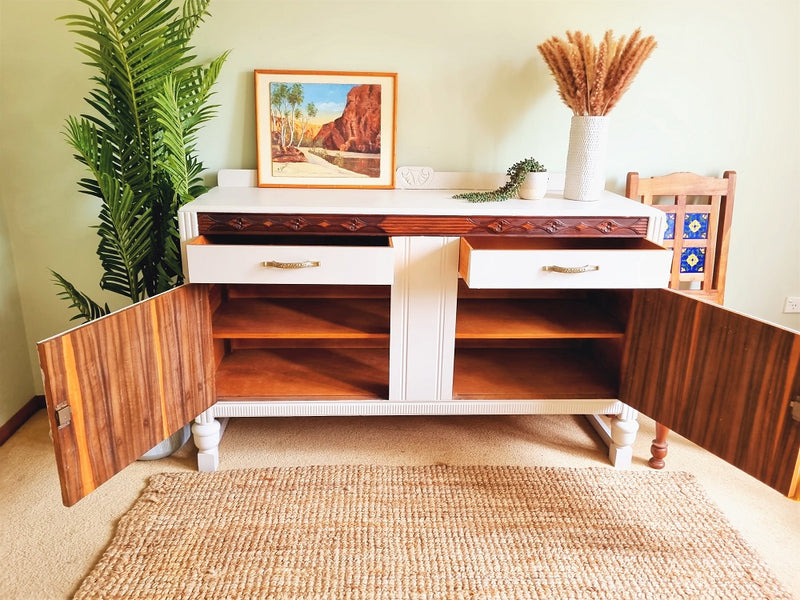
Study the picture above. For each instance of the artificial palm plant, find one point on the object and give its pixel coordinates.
(149, 102)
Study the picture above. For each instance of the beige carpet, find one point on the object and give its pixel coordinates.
(392, 532)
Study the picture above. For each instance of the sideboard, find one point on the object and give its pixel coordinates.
(317, 302)
(407, 301)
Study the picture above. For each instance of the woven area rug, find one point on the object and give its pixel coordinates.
(371, 532)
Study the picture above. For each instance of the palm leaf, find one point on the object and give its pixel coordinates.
(125, 229)
(181, 108)
(193, 13)
(87, 309)
(173, 162)
(138, 144)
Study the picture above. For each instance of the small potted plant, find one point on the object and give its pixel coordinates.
(520, 174)
(534, 185)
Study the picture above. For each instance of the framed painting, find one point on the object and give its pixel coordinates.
(325, 129)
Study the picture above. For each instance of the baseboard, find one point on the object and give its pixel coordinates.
(20, 417)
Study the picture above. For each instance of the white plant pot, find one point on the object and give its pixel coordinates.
(585, 177)
(535, 186)
(169, 446)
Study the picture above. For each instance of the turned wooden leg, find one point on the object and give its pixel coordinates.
(658, 448)
(624, 427)
(206, 430)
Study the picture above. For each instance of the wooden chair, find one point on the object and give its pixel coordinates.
(699, 211)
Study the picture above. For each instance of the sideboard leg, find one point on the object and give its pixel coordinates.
(658, 448)
(206, 434)
(624, 428)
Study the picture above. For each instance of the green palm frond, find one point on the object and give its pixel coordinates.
(193, 13)
(93, 150)
(87, 309)
(175, 143)
(181, 108)
(138, 142)
(125, 230)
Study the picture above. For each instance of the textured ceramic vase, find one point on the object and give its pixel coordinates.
(535, 186)
(585, 177)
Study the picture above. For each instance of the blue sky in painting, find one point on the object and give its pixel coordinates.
(329, 98)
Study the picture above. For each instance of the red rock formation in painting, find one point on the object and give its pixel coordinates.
(359, 127)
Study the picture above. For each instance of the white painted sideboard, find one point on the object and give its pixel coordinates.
(436, 267)
(407, 301)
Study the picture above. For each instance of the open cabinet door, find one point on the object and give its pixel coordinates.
(119, 385)
(726, 381)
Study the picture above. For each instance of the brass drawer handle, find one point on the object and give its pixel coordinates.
(583, 269)
(305, 264)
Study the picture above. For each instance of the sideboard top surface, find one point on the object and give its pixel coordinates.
(303, 201)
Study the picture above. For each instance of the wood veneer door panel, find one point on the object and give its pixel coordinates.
(723, 380)
(130, 380)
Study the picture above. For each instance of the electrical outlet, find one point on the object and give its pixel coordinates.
(792, 304)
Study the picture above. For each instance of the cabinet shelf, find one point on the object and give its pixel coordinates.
(304, 374)
(533, 319)
(535, 373)
(302, 318)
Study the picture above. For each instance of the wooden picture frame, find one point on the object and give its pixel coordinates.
(325, 129)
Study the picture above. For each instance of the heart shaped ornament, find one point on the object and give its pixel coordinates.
(413, 177)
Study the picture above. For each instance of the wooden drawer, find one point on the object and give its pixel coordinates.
(211, 260)
(590, 263)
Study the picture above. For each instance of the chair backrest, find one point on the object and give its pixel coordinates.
(699, 211)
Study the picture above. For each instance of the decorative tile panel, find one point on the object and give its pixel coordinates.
(695, 226)
(669, 234)
(693, 260)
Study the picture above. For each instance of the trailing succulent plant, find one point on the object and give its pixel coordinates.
(138, 144)
(516, 177)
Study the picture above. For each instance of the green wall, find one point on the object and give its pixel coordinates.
(15, 372)
(720, 92)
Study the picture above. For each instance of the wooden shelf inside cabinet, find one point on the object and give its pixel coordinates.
(303, 318)
(533, 319)
(304, 374)
(535, 373)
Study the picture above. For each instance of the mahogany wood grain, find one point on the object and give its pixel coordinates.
(211, 223)
(131, 379)
(304, 373)
(723, 380)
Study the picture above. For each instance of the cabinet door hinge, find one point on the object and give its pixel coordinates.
(63, 415)
(795, 404)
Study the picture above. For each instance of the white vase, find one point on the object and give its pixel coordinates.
(585, 177)
(535, 186)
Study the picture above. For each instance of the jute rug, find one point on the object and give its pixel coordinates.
(371, 532)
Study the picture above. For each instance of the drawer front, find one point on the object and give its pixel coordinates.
(596, 264)
(220, 263)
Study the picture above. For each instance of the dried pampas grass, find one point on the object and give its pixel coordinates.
(591, 79)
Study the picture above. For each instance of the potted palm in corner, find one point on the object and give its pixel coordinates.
(149, 101)
(138, 145)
